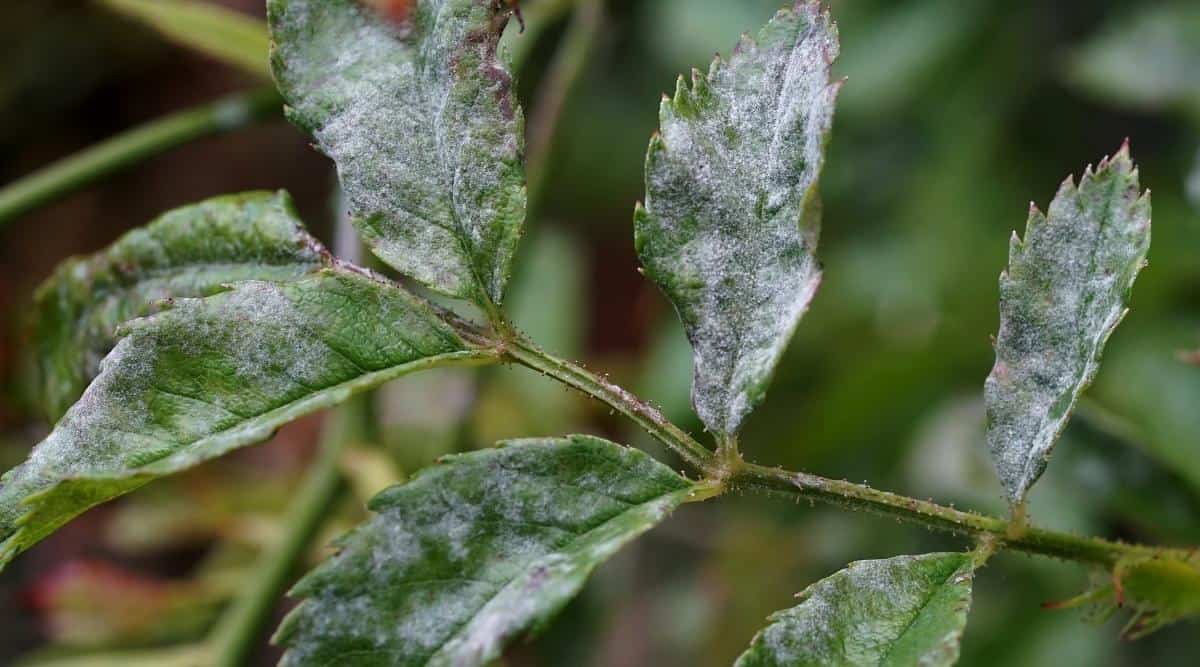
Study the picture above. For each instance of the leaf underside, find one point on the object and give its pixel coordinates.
(475, 552)
(902, 611)
(1065, 290)
(190, 252)
(209, 375)
(731, 219)
(420, 117)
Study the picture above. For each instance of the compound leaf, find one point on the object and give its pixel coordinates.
(190, 252)
(902, 611)
(420, 117)
(209, 375)
(730, 222)
(1063, 294)
(476, 551)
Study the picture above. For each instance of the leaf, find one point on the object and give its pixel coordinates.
(421, 119)
(227, 35)
(730, 223)
(190, 252)
(1063, 294)
(476, 551)
(907, 610)
(210, 375)
(1145, 58)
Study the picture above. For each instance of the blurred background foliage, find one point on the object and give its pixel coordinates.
(955, 115)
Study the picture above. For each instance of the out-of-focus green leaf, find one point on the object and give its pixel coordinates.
(190, 252)
(1064, 292)
(210, 375)
(476, 551)
(899, 50)
(189, 655)
(731, 219)
(1153, 396)
(1145, 57)
(224, 34)
(421, 119)
(547, 301)
(907, 610)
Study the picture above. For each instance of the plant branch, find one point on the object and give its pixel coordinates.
(739, 474)
(946, 519)
(570, 62)
(239, 629)
(527, 354)
(124, 150)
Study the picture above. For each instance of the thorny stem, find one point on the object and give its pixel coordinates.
(527, 354)
(124, 150)
(733, 472)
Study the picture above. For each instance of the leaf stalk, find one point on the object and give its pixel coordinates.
(732, 472)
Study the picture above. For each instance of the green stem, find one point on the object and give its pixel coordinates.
(124, 150)
(527, 354)
(946, 519)
(566, 70)
(240, 627)
(737, 474)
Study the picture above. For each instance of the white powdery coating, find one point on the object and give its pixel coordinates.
(208, 375)
(1065, 291)
(476, 551)
(899, 611)
(423, 127)
(190, 252)
(729, 228)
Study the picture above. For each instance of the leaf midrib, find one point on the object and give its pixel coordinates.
(569, 547)
(920, 611)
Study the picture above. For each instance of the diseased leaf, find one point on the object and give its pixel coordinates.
(210, 375)
(190, 252)
(902, 611)
(222, 33)
(1063, 294)
(476, 551)
(420, 117)
(731, 219)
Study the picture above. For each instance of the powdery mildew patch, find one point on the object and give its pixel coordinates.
(1065, 290)
(907, 610)
(422, 123)
(476, 551)
(730, 223)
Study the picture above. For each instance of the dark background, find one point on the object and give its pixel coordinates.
(956, 114)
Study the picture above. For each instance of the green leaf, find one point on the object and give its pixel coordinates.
(210, 375)
(1063, 294)
(422, 122)
(477, 551)
(1144, 58)
(222, 33)
(190, 252)
(732, 214)
(902, 611)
